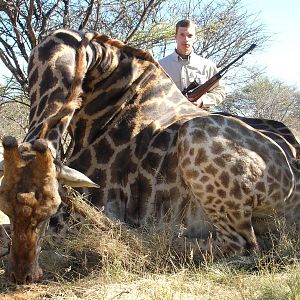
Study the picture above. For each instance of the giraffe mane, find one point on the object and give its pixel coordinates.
(136, 52)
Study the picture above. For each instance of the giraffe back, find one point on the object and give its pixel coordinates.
(273, 129)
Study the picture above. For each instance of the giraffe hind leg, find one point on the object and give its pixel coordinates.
(221, 183)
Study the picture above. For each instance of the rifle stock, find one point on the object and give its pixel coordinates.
(194, 91)
(203, 88)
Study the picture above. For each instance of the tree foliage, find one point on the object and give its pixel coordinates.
(225, 28)
(266, 98)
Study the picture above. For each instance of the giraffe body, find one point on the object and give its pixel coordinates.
(154, 156)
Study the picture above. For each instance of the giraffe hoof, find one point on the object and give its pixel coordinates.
(9, 142)
(40, 145)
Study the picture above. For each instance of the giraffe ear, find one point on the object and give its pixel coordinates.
(74, 178)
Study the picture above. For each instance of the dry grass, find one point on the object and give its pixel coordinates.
(108, 260)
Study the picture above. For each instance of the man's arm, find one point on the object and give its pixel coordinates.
(213, 97)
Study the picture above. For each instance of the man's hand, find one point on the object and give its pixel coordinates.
(198, 103)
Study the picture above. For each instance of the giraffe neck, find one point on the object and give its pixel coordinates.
(124, 90)
(55, 73)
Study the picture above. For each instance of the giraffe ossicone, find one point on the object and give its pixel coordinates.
(141, 150)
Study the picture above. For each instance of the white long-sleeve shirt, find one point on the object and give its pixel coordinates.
(185, 71)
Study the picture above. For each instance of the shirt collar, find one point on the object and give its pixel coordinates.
(180, 58)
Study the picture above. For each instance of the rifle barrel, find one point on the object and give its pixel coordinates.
(218, 75)
(239, 57)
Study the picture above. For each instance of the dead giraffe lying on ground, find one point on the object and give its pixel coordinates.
(141, 150)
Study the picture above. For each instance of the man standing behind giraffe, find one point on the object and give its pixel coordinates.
(184, 66)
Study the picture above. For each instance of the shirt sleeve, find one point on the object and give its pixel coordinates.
(215, 95)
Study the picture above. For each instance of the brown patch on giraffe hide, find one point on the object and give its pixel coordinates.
(183, 130)
(239, 168)
(99, 176)
(212, 131)
(32, 112)
(210, 188)
(119, 167)
(151, 162)
(85, 159)
(162, 203)
(220, 162)
(275, 194)
(236, 191)
(245, 188)
(218, 201)
(221, 193)
(48, 81)
(192, 151)
(53, 135)
(33, 77)
(161, 141)
(199, 136)
(274, 186)
(239, 126)
(47, 50)
(121, 134)
(210, 169)
(217, 148)
(232, 205)
(204, 178)
(191, 174)
(174, 193)
(168, 167)
(186, 162)
(137, 204)
(104, 151)
(201, 157)
(260, 186)
(224, 178)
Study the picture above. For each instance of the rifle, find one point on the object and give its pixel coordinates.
(195, 91)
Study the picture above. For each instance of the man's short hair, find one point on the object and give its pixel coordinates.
(184, 23)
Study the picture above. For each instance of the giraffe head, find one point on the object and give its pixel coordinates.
(29, 195)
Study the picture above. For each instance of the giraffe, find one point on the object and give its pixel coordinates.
(140, 150)
(272, 128)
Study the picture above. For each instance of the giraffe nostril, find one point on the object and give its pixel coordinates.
(28, 279)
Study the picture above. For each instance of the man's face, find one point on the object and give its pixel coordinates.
(185, 38)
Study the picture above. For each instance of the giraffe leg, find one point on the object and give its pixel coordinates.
(231, 235)
(222, 182)
(230, 218)
(228, 238)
